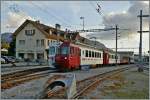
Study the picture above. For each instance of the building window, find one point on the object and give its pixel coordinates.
(48, 42)
(42, 42)
(37, 42)
(21, 55)
(21, 42)
(29, 32)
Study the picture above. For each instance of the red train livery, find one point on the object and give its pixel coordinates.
(73, 56)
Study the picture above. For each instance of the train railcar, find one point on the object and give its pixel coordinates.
(74, 56)
(68, 56)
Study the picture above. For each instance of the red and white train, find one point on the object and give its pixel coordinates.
(73, 56)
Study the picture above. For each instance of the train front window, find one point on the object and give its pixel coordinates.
(64, 50)
(52, 50)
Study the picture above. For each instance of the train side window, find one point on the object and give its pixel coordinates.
(79, 52)
(86, 53)
(95, 54)
(71, 50)
(89, 53)
(116, 57)
(92, 53)
(100, 55)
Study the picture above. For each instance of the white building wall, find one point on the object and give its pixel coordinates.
(30, 42)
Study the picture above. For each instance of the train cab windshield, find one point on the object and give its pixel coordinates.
(64, 50)
(52, 51)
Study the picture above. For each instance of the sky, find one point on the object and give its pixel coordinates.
(68, 13)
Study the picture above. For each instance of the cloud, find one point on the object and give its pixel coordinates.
(125, 20)
(14, 19)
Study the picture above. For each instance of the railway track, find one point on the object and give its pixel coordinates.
(84, 85)
(16, 78)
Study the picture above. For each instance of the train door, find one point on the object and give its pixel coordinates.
(105, 58)
(74, 57)
(52, 53)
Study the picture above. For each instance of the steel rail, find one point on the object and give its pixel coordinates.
(96, 79)
(21, 73)
(11, 82)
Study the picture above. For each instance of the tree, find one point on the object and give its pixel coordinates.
(5, 45)
(12, 49)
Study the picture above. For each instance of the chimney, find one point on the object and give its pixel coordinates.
(57, 26)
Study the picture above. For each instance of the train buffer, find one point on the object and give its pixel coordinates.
(60, 83)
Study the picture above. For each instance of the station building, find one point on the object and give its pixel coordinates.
(33, 38)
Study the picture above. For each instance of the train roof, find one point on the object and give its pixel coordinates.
(91, 43)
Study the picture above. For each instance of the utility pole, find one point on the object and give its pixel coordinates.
(83, 22)
(116, 28)
(140, 45)
(140, 69)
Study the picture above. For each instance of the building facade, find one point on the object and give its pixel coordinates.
(33, 39)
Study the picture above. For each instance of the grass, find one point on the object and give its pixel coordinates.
(144, 94)
(128, 88)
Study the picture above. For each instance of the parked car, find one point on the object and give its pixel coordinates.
(3, 61)
(8, 59)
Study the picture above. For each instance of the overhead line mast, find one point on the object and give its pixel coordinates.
(140, 44)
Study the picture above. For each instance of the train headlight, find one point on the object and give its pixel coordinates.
(65, 58)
